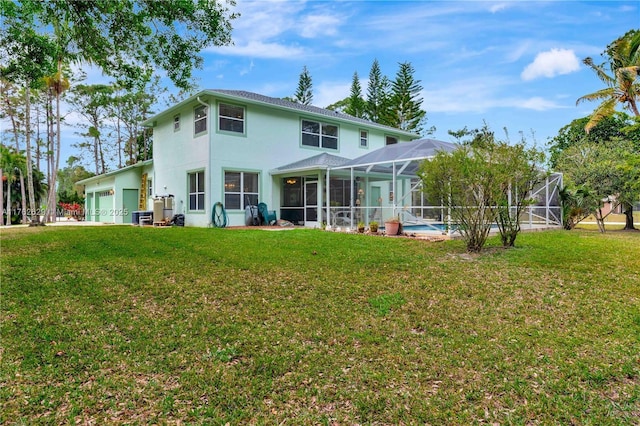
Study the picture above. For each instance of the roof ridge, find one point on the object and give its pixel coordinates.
(302, 107)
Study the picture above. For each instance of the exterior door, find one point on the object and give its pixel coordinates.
(89, 207)
(96, 207)
(130, 203)
(376, 200)
(310, 202)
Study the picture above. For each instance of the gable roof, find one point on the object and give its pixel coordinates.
(283, 104)
(114, 172)
(320, 161)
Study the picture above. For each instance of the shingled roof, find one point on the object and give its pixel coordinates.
(257, 98)
(292, 105)
(320, 161)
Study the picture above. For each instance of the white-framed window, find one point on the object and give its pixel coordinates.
(196, 190)
(390, 140)
(149, 187)
(200, 119)
(319, 135)
(364, 139)
(240, 189)
(230, 118)
(176, 123)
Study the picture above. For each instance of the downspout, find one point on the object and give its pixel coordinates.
(209, 214)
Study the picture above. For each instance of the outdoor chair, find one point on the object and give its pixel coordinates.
(266, 217)
(342, 218)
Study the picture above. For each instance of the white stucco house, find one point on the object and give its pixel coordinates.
(240, 148)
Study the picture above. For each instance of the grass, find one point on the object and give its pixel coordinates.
(613, 222)
(214, 326)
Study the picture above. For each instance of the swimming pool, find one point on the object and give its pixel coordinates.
(430, 227)
(434, 227)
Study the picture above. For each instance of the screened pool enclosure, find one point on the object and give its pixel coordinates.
(384, 184)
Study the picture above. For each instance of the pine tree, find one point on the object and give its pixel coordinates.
(377, 94)
(405, 110)
(304, 93)
(356, 104)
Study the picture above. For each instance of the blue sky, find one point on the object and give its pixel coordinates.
(514, 64)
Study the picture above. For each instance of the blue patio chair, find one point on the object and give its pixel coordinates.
(266, 217)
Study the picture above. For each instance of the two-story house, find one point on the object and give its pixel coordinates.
(239, 148)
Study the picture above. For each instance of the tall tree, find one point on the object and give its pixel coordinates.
(405, 109)
(68, 191)
(605, 131)
(340, 106)
(124, 38)
(30, 56)
(377, 93)
(304, 92)
(601, 171)
(10, 108)
(356, 103)
(92, 103)
(619, 72)
(12, 167)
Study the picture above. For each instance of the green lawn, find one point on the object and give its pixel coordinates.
(140, 325)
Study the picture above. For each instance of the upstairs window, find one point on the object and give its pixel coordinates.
(200, 119)
(390, 140)
(176, 123)
(319, 135)
(231, 118)
(364, 139)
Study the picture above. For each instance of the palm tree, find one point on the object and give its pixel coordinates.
(622, 87)
(56, 85)
(12, 165)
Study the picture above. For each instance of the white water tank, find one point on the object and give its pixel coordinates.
(158, 209)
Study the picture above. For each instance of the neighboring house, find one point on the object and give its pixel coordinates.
(240, 148)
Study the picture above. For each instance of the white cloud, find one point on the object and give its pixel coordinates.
(246, 70)
(538, 104)
(498, 7)
(480, 95)
(258, 49)
(551, 63)
(328, 92)
(519, 50)
(319, 25)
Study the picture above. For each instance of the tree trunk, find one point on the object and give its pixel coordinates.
(628, 213)
(32, 198)
(8, 201)
(49, 152)
(119, 139)
(14, 125)
(55, 157)
(38, 139)
(599, 220)
(24, 198)
(2, 210)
